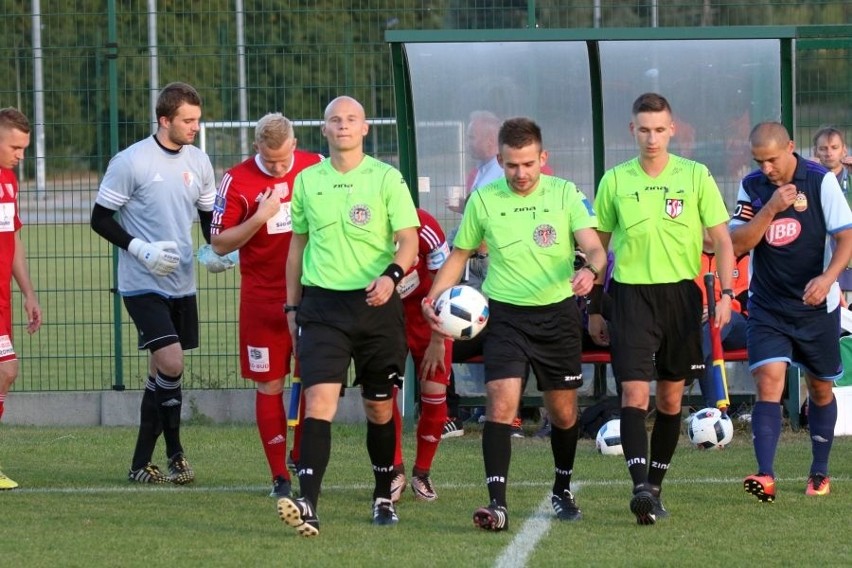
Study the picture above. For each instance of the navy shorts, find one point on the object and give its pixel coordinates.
(655, 331)
(546, 338)
(161, 321)
(809, 340)
(338, 327)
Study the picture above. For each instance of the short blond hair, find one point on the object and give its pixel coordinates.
(273, 130)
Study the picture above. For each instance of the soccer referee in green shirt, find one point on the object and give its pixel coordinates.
(354, 237)
(530, 222)
(653, 208)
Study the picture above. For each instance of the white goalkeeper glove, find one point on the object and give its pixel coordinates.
(160, 257)
(215, 263)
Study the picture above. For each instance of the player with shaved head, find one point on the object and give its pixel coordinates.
(788, 213)
(354, 237)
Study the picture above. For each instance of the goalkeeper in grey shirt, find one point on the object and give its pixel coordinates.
(156, 185)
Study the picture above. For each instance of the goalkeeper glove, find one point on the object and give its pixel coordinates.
(215, 263)
(160, 257)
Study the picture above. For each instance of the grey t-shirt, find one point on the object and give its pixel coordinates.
(157, 194)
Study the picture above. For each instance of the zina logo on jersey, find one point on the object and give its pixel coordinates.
(783, 232)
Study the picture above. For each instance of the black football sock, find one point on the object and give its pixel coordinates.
(664, 437)
(314, 454)
(169, 403)
(497, 454)
(563, 444)
(634, 440)
(150, 427)
(381, 444)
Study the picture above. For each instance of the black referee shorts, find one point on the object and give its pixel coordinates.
(655, 332)
(336, 327)
(546, 338)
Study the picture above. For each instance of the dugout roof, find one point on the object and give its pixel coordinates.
(579, 84)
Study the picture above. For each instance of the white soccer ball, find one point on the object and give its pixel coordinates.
(463, 311)
(707, 429)
(608, 440)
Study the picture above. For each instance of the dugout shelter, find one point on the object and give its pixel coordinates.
(579, 85)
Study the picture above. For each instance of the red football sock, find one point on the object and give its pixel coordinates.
(2, 404)
(433, 414)
(272, 427)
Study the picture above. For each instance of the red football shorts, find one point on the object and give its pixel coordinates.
(418, 334)
(7, 351)
(265, 344)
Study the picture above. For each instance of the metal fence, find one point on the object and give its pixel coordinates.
(86, 74)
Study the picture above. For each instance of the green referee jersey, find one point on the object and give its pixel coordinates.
(530, 239)
(657, 223)
(350, 219)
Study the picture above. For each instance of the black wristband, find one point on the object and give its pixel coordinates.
(395, 272)
(728, 292)
(290, 308)
(595, 299)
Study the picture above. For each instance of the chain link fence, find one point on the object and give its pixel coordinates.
(87, 72)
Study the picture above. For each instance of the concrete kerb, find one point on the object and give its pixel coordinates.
(121, 408)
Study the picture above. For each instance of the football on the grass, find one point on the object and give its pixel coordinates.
(463, 311)
(608, 440)
(708, 428)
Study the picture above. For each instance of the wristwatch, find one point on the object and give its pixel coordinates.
(728, 292)
(591, 268)
(290, 308)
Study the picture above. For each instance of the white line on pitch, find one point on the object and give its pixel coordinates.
(139, 488)
(523, 545)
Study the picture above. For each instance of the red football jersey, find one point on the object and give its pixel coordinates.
(9, 223)
(431, 254)
(263, 258)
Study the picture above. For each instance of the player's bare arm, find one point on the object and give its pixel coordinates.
(294, 278)
(235, 237)
(604, 237)
(817, 288)
(746, 236)
(448, 275)
(589, 242)
(725, 263)
(597, 326)
(380, 290)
